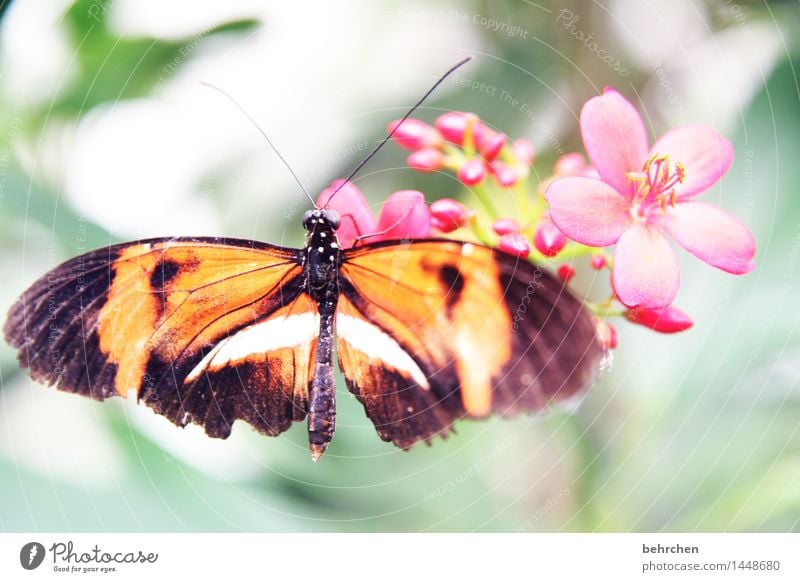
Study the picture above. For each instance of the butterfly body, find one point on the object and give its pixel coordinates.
(323, 258)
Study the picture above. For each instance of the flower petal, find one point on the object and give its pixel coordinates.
(645, 268)
(404, 215)
(588, 210)
(615, 138)
(704, 153)
(356, 215)
(712, 235)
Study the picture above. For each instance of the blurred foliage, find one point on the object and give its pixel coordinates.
(693, 432)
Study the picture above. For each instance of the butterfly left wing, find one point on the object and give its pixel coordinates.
(429, 331)
(203, 330)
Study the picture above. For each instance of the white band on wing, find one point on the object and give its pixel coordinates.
(273, 334)
(376, 344)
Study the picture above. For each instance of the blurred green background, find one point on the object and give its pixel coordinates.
(106, 134)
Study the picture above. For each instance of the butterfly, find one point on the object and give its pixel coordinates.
(211, 330)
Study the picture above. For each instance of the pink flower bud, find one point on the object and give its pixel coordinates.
(504, 174)
(453, 124)
(598, 262)
(505, 226)
(523, 151)
(606, 335)
(547, 239)
(414, 134)
(448, 215)
(565, 272)
(471, 172)
(493, 146)
(665, 320)
(404, 215)
(425, 160)
(571, 164)
(356, 214)
(514, 244)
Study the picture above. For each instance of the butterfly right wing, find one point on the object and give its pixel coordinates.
(429, 331)
(203, 330)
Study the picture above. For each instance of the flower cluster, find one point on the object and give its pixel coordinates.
(631, 196)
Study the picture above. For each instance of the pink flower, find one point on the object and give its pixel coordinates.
(403, 215)
(646, 193)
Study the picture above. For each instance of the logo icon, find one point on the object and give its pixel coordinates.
(31, 555)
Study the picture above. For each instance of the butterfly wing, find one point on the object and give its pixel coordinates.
(432, 330)
(203, 330)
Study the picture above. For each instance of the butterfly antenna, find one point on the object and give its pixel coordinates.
(266, 137)
(397, 125)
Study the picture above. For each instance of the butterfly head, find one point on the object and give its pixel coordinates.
(321, 218)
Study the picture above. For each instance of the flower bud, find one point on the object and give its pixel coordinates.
(514, 244)
(493, 146)
(425, 160)
(448, 215)
(404, 215)
(354, 209)
(606, 335)
(570, 164)
(547, 239)
(565, 272)
(504, 174)
(668, 319)
(471, 172)
(523, 151)
(414, 134)
(453, 125)
(598, 262)
(505, 226)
